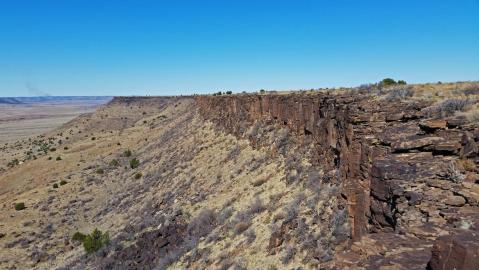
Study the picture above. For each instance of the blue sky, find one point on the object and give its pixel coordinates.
(81, 47)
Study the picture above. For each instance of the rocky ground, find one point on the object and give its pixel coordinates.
(356, 179)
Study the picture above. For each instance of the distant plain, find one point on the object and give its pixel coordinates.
(22, 120)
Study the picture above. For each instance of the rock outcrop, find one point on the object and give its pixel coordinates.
(401, 171)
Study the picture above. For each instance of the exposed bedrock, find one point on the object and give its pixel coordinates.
(400, 171)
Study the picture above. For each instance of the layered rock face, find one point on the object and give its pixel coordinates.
(403, 172)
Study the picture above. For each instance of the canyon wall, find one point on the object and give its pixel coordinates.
(401, 168)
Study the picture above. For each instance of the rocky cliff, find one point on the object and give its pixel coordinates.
(404, 169)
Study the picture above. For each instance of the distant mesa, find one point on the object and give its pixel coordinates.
(9, 101)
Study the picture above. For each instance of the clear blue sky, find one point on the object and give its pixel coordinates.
(81, 47)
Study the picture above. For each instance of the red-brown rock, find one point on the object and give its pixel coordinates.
(460, 252)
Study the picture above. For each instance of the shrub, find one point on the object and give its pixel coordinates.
(59, 158)
(63, 182)
(339, 224)
(453, 174)
(229, 92)
(262, 91)
(134, 163)
(387, 82)
(53, 149)
(450, 106)
(202, 224)
(96, 240)
(114, 163)
(225, 214)
(256, 206)
(100, 171)
(55, 185)
(471, 90)
(13, 163)
(402, 82)
(20, 206)
(127, 153)
(138, 175)
(93, 138)
(399, 93)
(288, 254)
(250, 235)
(78, 237)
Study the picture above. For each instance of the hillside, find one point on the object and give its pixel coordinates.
(361, 178)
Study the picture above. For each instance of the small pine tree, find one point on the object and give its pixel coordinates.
(388, 82)
(134, 163)
(19, 206)
(96, 240)
(78, 237)
(127, 153)
(114, 163)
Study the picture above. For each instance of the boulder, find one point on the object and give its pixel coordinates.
(460, 252)
(433, 124)
(454, 200)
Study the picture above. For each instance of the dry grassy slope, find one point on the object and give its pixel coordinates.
(31, 182)
(223, 199)
(185, 163)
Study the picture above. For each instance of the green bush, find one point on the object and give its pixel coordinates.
(63, 182)
(55, 185)
(388, 82)
(262, 91)
(78, 237)
(96, 240)
(138, 175)
(13, 163)
(127, 153)
(100, 171)
(59, 158)
(134, 163)
(19, 206)
(114, 163)
(229, 92)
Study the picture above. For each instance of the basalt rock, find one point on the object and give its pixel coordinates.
(386, 155)
(459, 251)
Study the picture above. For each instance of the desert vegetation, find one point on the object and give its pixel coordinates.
(182, 192)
